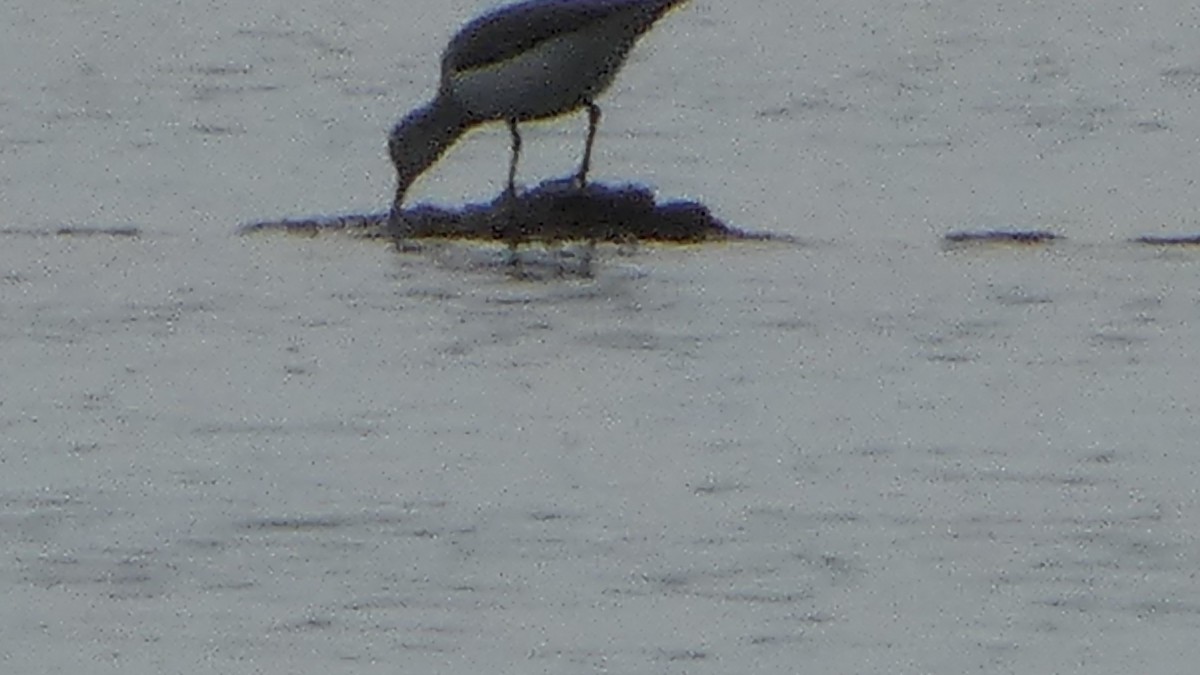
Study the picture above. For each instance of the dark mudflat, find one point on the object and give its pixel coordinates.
(552, 212)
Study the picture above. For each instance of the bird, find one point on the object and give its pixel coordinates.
(531, 60)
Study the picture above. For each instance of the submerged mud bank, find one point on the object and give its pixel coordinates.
(551, 212)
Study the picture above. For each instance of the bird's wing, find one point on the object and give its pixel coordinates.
(510, 30)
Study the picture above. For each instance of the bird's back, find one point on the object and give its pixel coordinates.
(514, 29)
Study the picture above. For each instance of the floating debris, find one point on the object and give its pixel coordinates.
(1008, 237)
(365, 225)
(1180, 240)
(98, 232)
(72, 231)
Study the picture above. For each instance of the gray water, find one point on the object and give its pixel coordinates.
(859, 453)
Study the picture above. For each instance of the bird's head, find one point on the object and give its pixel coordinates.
(419, 139)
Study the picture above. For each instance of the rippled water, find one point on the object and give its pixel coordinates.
(864, 452)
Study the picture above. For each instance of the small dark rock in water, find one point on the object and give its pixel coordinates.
(553, 211)
(1181, 240)
(560, 211)
(1027, 237)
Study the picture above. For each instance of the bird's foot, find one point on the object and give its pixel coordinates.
(400, 232)
(396, 226)
(579, 180)
(511, 195)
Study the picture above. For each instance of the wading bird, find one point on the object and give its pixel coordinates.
(531, 60)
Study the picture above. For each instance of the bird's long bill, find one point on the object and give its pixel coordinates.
(420, 139)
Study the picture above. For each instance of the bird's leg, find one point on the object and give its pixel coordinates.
(397, 227)
(396, 215)
(593, 121)
(589, 251)
(516, 154)
(395, 224)
(580, 181)
(512, 227)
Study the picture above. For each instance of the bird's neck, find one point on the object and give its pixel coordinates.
(421, 138)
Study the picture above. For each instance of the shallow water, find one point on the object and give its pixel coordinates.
(861, 452)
